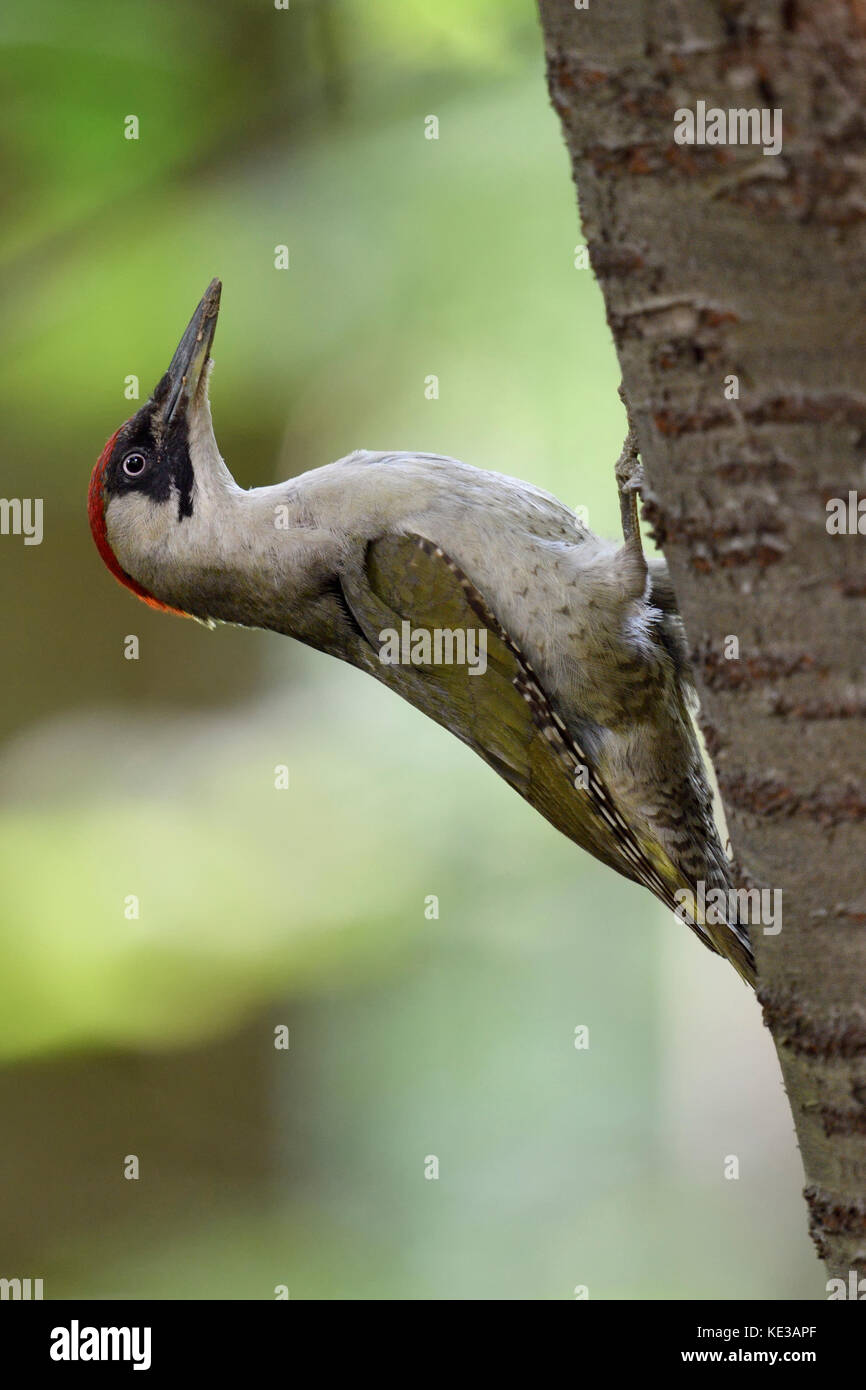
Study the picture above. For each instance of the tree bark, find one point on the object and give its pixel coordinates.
(720, 262)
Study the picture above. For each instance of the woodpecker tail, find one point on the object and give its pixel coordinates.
(712, 911)
(732, 939)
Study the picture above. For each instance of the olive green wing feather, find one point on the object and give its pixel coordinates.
(504, 714)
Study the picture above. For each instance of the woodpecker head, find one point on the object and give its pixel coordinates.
(158, 468)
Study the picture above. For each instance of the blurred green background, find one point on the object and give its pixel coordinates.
(305, 907)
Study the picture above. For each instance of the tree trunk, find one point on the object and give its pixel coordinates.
(735, 285)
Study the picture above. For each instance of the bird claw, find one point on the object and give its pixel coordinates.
(630, 480)
(629, 469)
(634, 482)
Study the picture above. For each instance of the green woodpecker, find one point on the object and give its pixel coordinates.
(558, 657)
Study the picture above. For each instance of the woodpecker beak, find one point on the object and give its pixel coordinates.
(181, 383)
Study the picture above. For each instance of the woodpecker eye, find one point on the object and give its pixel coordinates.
(134, 465)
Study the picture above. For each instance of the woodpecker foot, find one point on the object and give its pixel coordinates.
(629, 480)
(629, 469)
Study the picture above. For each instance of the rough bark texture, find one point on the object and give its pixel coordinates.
(720, 260)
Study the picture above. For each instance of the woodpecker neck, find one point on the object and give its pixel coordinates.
(231, 556)
(164, 510)
(177, 556)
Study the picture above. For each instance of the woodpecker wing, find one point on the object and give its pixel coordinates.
(504, 713)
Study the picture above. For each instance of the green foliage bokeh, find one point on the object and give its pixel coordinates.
(409, 257)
